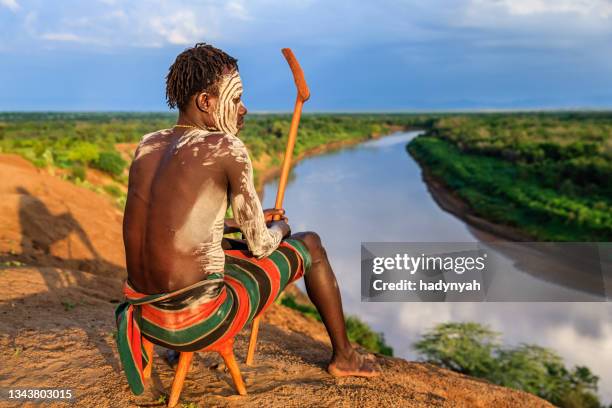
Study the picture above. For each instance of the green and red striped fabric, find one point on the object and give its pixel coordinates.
(207, 313)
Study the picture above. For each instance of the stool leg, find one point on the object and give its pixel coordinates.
(252, 341)
(179, 377)
(148, 346)
(230, 362)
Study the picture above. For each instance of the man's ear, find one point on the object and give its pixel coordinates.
(202, 101)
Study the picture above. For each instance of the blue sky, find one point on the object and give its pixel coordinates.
(357, 56)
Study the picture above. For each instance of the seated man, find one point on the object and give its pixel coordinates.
(188, 287)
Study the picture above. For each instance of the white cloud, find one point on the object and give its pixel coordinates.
(119, 23)
(181, 28)
(10, 4)
(238, 9)
(535, 24)
(595, 8)
(70, 37)
(481, 23)
(514, 10)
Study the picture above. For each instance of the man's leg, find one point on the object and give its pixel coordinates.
(323, 291)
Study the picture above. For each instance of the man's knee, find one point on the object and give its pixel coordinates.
(312, 242)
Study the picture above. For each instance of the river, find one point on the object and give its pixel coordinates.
(374, 192)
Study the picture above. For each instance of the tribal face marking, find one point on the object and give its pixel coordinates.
(229, 103)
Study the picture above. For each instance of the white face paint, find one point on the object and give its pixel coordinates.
(229, 103)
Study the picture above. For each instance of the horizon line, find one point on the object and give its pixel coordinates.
(334, 111)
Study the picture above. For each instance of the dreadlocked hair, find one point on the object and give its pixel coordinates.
(196, 69)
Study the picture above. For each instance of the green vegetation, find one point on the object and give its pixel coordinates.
(63, 139)
(268, 133)
(76, 142)
(475, 350)
(110, 162)
(68, 304)
(547, 174)
(358, 331)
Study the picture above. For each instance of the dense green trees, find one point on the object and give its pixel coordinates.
(554, 147)
(88, 139)
(547, 174)
(476, 350)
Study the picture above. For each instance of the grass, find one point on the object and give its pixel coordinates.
(68, 304)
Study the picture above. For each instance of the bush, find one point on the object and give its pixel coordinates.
(78, 172)
(463, 347)
(113, 190)
(474, 349)
(110, 162)
(362, 334)
(83, 152)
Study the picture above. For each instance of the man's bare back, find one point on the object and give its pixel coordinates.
(179, 185)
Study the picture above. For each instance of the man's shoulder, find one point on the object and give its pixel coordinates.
(150, 137)
(235, 147)
(152, 142)
(214, 140)
(233, 141)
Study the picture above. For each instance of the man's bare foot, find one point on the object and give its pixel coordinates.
(354, 364)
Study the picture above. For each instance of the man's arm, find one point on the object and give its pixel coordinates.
(248, 214)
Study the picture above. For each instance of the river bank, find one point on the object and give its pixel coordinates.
(449, 201)
(266, 172)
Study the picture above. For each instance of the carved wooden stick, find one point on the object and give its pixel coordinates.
(303, 93)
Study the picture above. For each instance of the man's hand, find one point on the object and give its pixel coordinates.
(270, 213)
(284, 227)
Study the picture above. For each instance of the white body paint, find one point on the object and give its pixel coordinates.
(226, 115)
(202, 232)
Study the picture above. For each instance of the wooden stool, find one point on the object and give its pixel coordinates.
(226, 350)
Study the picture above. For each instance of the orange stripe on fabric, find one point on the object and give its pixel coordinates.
(274, 275)
(131, 293)
(270, 269)
(184, 318)
(135, 340)
(242, 314)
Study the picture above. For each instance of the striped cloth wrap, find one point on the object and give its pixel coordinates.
(208, 312)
